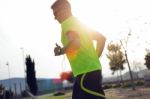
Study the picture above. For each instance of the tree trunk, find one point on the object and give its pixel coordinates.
(118, 77)
(131, 76)
(122, 82)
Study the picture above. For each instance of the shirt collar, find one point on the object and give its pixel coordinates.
(68, 20)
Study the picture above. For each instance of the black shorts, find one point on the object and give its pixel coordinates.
(88, 86)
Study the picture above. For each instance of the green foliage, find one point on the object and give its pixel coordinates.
(139, 83)
(113, 47)
(31, 78)
(126, 85)
(1, 88)
(8, 93)
(147, 59)
(116, 85)
(116, 57)
(107, 86)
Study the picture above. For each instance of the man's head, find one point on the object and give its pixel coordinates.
(61, 10)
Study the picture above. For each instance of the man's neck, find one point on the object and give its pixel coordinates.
(66, 16)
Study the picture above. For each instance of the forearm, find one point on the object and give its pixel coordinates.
(100, 46)
(71, 46)
(73, 42)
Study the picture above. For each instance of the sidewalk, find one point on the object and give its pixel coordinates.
(128, 93)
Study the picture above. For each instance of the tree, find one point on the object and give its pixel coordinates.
(5, 94)
(124, 46)
(1, 88)
(116, 58)
(147, 59)
(31, 79)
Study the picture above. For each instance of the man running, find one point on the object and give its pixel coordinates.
(78, 46)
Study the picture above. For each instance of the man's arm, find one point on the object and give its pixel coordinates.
(71, 47)
(74, 42)
(100, 42)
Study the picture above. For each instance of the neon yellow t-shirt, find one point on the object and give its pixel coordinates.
(84, 59)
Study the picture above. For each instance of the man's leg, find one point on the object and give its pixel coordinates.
(91, 85)
(77, 91)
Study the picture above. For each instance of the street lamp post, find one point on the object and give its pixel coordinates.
(22, 49)
(9, 79)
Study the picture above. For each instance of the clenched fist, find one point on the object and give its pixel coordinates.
(58, 50)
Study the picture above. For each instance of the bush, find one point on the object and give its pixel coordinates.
(107, 86)
(126, 85)
(59, 93)
(7, 95)
(139, 83)
(24, 93)
(116, 85)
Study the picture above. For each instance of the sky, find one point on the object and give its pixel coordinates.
(27, 27)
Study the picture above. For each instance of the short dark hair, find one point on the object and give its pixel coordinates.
(64, 4)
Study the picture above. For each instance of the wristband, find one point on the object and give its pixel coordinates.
(62, 51)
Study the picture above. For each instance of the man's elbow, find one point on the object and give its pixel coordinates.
(102, 38)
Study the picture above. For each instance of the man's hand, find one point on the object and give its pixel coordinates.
(57, 50)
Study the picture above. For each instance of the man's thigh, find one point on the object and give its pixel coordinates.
(88, 86)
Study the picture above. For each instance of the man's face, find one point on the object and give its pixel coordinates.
(58, 14)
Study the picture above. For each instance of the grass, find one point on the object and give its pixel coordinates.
(50, 96)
